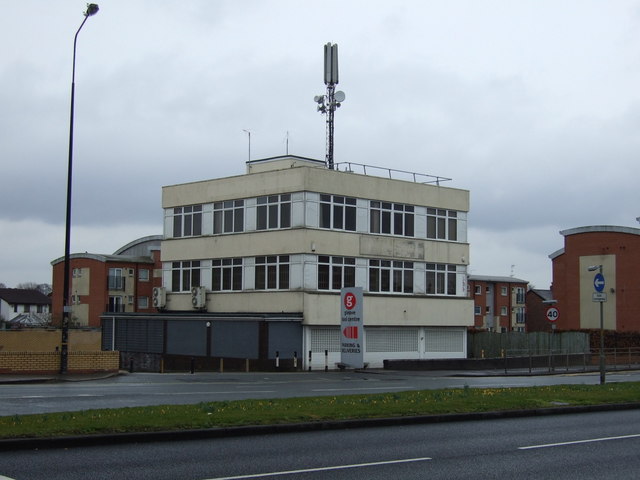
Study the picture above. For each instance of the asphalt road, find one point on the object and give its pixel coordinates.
(143, 389)
(560, 447)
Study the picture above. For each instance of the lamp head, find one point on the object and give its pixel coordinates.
(92, 9)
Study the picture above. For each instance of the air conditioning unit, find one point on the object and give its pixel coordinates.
(199, 297)
(159, 297)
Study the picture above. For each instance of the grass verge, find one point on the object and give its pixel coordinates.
(312, 409)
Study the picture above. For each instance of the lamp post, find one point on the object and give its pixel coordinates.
(593, 268)
(92, 9)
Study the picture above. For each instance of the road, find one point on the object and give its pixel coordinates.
(143, 389)
(577, 446)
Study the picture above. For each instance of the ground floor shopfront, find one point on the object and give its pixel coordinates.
(263, 342)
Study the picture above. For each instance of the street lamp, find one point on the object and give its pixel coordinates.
(92, 9)
(593, 268)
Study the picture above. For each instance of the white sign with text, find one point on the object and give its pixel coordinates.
(351, 328)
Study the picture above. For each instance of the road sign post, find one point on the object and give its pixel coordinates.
(600, 297)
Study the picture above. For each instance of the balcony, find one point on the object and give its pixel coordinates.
(116, 282)
(114, 307)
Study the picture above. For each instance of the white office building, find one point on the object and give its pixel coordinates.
(261, 258)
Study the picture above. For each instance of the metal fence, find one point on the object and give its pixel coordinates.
(563, 360)
(536, 351)
(495, 345)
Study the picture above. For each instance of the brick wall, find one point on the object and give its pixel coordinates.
(47, 340)
(49, 362)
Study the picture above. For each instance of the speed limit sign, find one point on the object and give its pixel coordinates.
(552, 314)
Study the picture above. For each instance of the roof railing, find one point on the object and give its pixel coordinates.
(368, 169)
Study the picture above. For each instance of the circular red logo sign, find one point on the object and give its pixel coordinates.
(349, 301)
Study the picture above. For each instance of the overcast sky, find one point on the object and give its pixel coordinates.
(533, 106)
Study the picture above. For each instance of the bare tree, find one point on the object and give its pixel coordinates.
(41, 287)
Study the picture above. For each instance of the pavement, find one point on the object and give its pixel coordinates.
(185, 435)
(6, 379)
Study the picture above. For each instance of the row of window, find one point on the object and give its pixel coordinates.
(333, 273)
(27, 307)
(504, 291)
(116, 274)
(117, 302)
(335, 212)
(504, 311)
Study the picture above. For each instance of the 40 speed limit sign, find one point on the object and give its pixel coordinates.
(552, 314)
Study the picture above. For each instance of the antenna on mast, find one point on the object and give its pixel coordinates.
(328, 103)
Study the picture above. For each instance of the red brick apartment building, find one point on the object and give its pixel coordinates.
(614, 253)
(538, 302)
(122, 282)
(499, 303)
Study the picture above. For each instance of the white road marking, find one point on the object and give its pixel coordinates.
(389, 389)
(31, 397)
(576, 442)
(168, 394)
(324, 469)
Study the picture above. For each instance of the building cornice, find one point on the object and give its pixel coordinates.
(600, 229)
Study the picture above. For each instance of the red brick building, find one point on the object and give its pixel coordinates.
(538, 302)
(616, 251)
(499, 303)
(122, 282)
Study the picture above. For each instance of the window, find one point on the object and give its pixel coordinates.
(442, 224)
(143, 275)
(185, 275)
(503, 311)
(228, 217)
(520, 295)
(520, 315)
(227, 274)
(274, 211)
(187, 221)
(390, 276)
(335, 273)
(391, 218)
(115, 304)
(116, 279)
(477, 310)
(379, 275)
(504, 291)
(77, 272)
(272, 273)
(403, 277)
(441, 279)
(478, 290)
(143, 302)
(338, 213)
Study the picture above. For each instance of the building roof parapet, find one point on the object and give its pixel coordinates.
(152, 241)
(496, 279)
(290, 161)
(390, 172)
(600, 229)
(106, 258)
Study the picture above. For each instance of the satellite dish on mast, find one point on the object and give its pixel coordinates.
(339, 96)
